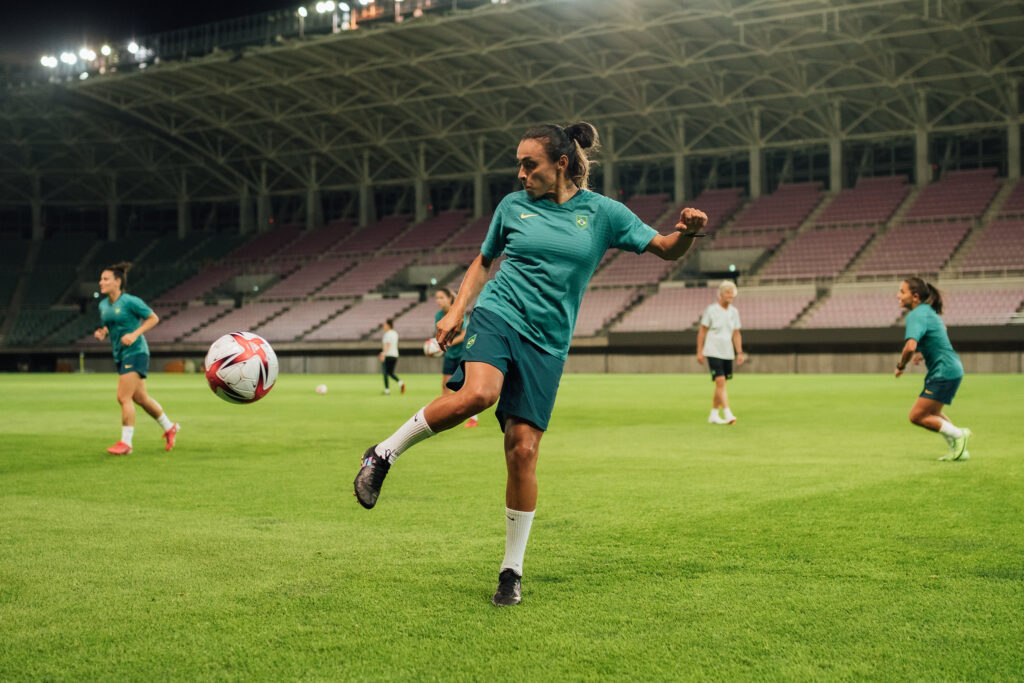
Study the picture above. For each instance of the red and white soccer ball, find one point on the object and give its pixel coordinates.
(241, 367)
(432, 348)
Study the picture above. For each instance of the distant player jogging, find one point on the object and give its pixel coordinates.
(389, 355)
(126, 319)
(927, 340)
(452, 354)
(719, 342)
(553, 233)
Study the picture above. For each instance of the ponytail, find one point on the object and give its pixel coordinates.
(120, 271)
(572, 142)
(926, 292)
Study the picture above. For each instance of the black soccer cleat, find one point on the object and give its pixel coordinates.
(510, 589)
(370, 478)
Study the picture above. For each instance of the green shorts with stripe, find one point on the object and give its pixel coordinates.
(136, 363)
(531, 374)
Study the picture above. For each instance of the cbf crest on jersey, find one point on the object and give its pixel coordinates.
(581, 221)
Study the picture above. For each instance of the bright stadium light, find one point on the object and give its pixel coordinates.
(86, 54)
(49, 61)
(68, 57)
(84, 75)
(105, 50)
(303, 12)
(133, 47)
(320, 8)
(343, 6)
(364, 3)
(329, 6)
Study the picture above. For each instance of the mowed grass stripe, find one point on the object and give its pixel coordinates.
(817, 538)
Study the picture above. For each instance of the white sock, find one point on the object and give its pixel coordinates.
(164, 421)
(728, 414)
(409, 434)
(950, 431)
(714, 413)
(126, 434)
(517, 531)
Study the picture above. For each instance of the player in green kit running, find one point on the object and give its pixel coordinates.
(926, 339)
(553, 234)
(452, 354)
(125, 319)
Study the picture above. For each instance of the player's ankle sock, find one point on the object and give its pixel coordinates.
(517, 531)
(409, 434)
(126, 434)
(164, 421)
(714, 413)
(949, 430)
(727, 414)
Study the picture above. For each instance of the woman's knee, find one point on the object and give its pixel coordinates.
(477, 399)
(522, 455)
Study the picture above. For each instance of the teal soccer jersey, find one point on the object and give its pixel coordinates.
(551, 251)
(121, 317)
(926, 327)
(455, 350)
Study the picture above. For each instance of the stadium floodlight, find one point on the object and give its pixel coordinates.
(105, 50)
(68, 57)
(84, 75)
(364, 3)
(133, 47)
(303, 12)
(49, 61)
(329, 6)
(86, 54)
(343, 6)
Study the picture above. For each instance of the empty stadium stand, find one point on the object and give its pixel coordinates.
(311, 244)
(185, 322)
(600, 307)
(916, 248)
(853, 307)
(719, 204)
(787, 207)
(821, 253)
(959, 194)
(366, 276)
(871, 201)
(360, 320)
(1014, 204)
(237, 320)
(300, 319)
(998, 249)
(431, 233)
(670, 309)
(373, 237)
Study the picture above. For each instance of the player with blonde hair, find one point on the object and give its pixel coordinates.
(719, 342)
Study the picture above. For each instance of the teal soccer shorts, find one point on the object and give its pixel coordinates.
(531, 374)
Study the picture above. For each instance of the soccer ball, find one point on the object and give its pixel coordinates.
(241, 367)
(321, 388)
(432, 348)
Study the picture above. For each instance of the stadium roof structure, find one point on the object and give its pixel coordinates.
(445, 96)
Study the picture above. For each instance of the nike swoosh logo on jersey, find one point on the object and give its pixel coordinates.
(528, 215)
(127, 367)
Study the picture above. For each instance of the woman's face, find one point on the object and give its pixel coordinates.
(537, 173)
(108, 283)
(443, 301)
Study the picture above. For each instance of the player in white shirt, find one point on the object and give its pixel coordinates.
(389, 355)
(720, 343)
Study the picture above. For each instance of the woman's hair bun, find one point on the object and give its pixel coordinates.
(583, 133)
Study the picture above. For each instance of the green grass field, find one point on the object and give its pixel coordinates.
(818, 538)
